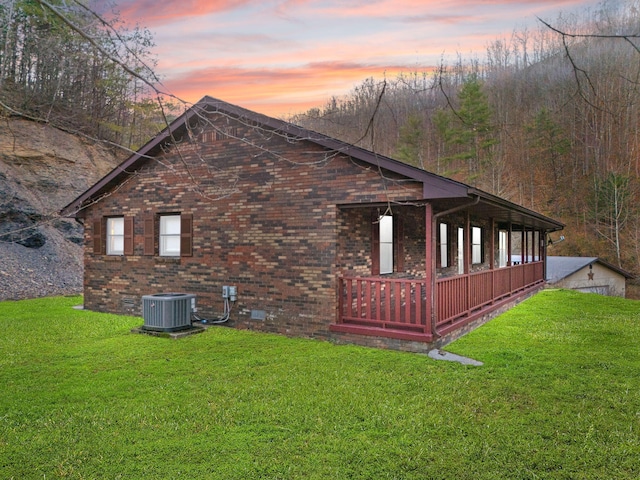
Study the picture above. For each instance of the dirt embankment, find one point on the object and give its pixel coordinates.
(42, 169)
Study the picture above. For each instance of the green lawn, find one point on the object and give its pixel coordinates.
(558, 397)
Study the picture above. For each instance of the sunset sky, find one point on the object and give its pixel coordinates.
(281, 57)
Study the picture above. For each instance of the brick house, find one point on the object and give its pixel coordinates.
(322, 239)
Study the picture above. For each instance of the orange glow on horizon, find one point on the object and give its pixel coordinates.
(283, 58)
(279, 94)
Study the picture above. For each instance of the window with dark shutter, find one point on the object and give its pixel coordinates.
(149, 235)
(128, 236)
(186, 235)
(99, 234)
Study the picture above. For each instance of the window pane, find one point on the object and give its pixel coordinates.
(444, 245)
(386, 244)
(115, 236)
(502, 248)
(170, 225)
(386, 229)
(170, 235)
(476, 235)
(476, 245)
(476, 254)
(116, 245)
(170, 245)
(460, 250)
(115, 226)
(386, 258)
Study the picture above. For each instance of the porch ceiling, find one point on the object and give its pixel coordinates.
(501, 211)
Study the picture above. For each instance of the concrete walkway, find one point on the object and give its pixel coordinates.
(437, 354)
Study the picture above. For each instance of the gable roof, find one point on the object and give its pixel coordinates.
(559, 268)
(434, 186)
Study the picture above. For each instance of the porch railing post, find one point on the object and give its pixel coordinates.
(467, 256)
(492, 257)
(430, 268)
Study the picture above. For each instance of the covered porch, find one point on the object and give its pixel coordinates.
(477, 256)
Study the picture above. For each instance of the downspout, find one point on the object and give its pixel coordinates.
(455, 209)
(434, 239)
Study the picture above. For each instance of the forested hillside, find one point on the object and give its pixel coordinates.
(62, 64)
(551, 122)
(70, 110)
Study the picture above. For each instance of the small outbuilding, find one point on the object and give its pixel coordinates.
(587, 274)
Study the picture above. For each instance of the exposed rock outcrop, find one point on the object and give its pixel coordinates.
(42, 169)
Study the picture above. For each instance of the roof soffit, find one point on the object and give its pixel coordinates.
(435, 187)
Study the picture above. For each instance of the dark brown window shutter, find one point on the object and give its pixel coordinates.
(375, 244)
(128, 235)
(186, 235)
(398, 235)
(99, 236)
(149, 235)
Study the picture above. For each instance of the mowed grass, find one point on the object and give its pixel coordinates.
(558, 397)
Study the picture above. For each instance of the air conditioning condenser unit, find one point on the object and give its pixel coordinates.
(167, 312)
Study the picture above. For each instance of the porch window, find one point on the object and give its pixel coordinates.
(503, 248)
(386, 244)
(476, 245)
(443, 245)
(115, 236)
(532, 246)
(461, 260)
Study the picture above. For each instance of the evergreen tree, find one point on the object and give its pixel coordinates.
(411, 140)
(469, 132)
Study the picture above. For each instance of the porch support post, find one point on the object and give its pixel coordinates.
(524, 255)
(492, 258)
(467, 256)
(430, 269)
(543, 253)
(509, 262)
(492, 246)
(467, 243)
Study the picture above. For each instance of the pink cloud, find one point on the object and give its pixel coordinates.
(154, 12)
(277, 92)
(285, 56)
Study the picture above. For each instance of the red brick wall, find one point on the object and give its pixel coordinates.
(354, 240)
(265, 218)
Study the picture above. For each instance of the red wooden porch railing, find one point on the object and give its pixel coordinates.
(390, 303)
(458, 296)
(401, 304)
